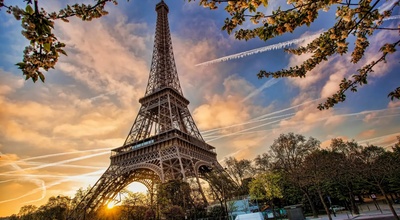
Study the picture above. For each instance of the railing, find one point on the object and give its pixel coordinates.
(162, 137)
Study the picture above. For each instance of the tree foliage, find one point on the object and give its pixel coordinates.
(239, 170)
(349, 176)
(320, 169)
(135, 206)
(379, 166)
(27, 211)
(44, 48)
(174, 196)
(266, 186)
(290, 150)
(262, 162)
(359, 19)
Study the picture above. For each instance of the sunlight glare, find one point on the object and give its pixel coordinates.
(137, 187)
(110, 204)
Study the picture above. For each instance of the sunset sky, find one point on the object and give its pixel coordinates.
(55, 137)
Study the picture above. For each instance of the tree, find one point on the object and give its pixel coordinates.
(262, 162)
(221, 188)
(57, 207)
(394, 179)
(289, 152)
(174, 212)
(360, 19)
(134, 206)
(239, 170)
(27, 211)
(379, 167)
(320, 169)
(266, 186)
(173, 194)
(349, 175)
(44, 48)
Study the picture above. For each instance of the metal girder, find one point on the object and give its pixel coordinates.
(164, 142)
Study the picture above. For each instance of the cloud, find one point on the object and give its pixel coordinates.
(308, 117)
(333, 121)
(366, 134)
(220, 112)
(327, 143)
(385, 141)
(368, 118)
(113, 62)
(394, 104)
(225, 109)
(187, 53)
(10, 82)
(193, 44)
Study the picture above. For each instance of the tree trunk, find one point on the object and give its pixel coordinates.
(273, 211)
(323, 203)
(354, 207)
(315, 213)
(389, 203)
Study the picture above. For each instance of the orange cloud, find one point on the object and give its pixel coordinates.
(225, 109)
(367, 134)
(220, 113)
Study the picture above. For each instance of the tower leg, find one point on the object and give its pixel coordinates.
(181, 165)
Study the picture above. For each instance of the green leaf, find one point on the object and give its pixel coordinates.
(46, 46)
(21, 65)
(265, 3)
(63, 52)
(29, 9)
(41, 76)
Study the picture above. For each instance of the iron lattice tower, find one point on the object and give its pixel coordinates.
(164, 143)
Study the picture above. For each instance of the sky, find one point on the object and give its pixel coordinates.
(56, 137)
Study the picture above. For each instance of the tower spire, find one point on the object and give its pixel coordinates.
(163, 71)
(163, 106)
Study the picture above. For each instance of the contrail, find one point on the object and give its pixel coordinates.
(386, 6)
(39, 182)
(377, 139)
(391, 18)
(66, 153)
(260, 50)
(254, 127)
(267, 84)
(244, 131)
(60, 162)
(283, 44)
(56, 155)
(283, 110)
(244, 123)
(74, 178)
(61, 165)
(44, 187)
(100, 169)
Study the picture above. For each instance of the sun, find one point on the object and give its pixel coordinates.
(110, 204)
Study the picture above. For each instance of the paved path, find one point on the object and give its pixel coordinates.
(367, 211)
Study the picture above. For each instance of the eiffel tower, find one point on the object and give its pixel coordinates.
(164, 142)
